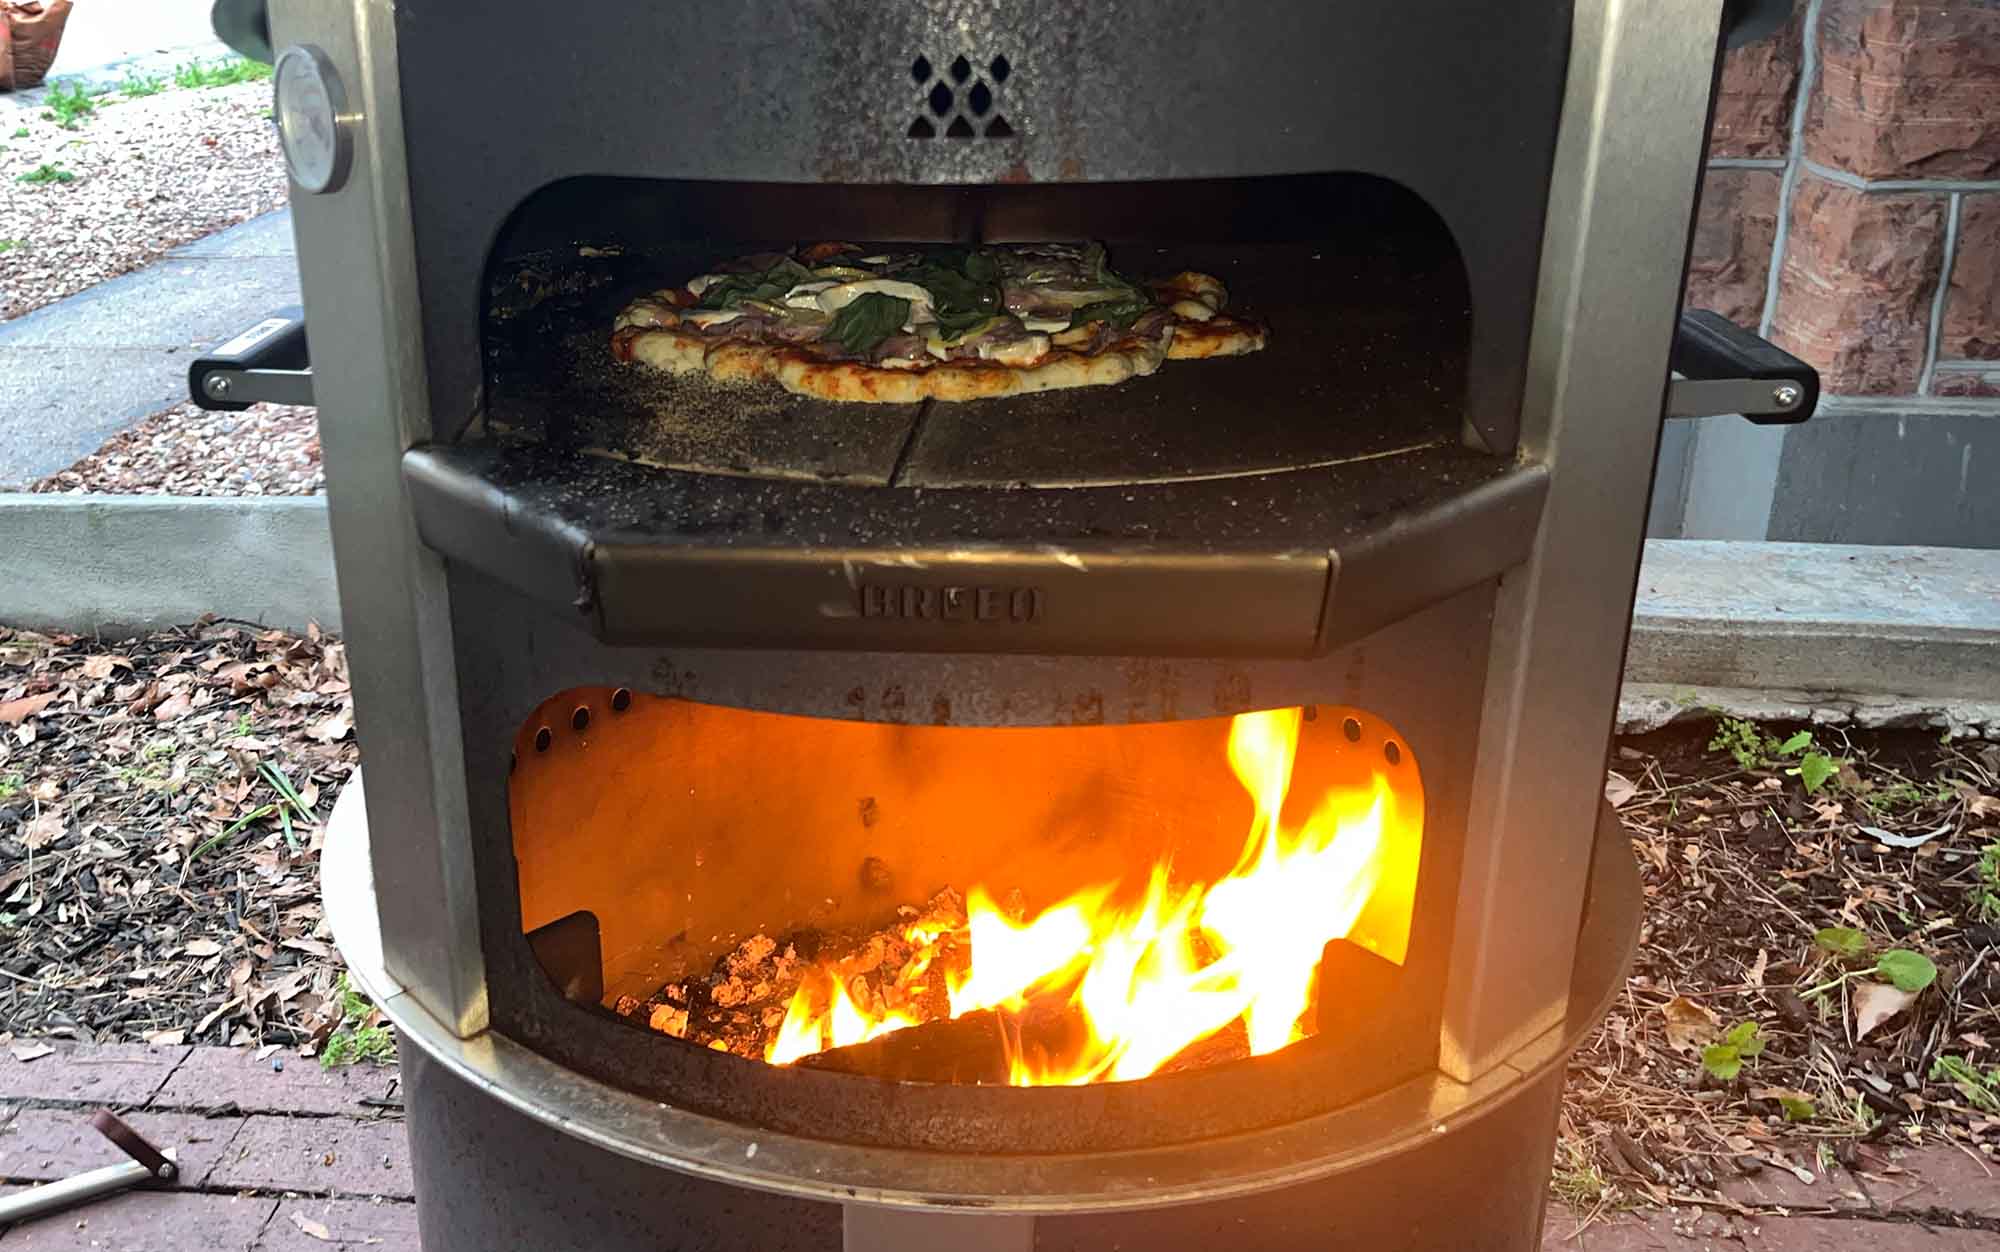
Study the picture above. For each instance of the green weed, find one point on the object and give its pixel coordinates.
(46, 173)
(1577, 1180)
(69, 104)
(9, 785)
(356, 1038)
(20, 132)
(1724, 1060)
(6, 246)
(1988, 899)
(1981, 1089)
(1752, 749)
(137, 85)
(225, 73)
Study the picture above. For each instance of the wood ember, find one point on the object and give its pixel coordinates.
(739, 1005)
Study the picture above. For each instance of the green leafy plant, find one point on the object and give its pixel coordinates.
(224, 73)
(1842, 941)
(1797, 1108)
(20, 132)
(8, 245)
(360, 1036)
(1906, 970)
(1981, 1088)
(9, 785)
(1752, 749)
(137, 85)
(1724, 1060)
(46, 173)
(69, 104)
(1987, 901)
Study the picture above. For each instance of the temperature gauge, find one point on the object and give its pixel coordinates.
(313, 123)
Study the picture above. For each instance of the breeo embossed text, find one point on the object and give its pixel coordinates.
(952, 604)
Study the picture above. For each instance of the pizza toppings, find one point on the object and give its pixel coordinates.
(975, 321)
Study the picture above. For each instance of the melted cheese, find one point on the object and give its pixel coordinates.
(711, 317)
(1019, 352)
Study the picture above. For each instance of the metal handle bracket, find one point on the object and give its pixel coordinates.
(266, 362)
(1727, 369)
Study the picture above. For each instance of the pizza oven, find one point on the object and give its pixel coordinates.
(1126, 816)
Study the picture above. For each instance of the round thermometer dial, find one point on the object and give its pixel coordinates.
(313, 125)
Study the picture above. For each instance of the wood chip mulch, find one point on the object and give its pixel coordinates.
(1771, 914)
(160, 809)
(264, 450)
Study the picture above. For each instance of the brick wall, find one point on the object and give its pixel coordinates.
(1857, 154)
(1851, 213)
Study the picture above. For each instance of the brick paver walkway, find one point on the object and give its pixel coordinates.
(281, 1156)
(276, 1155)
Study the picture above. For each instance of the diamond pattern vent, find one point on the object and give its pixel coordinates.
(960, 100)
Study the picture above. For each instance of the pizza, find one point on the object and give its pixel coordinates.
(840, 322)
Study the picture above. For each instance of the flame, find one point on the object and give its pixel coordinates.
(1150, 978)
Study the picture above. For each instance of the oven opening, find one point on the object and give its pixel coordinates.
(1047, 906)
(1359, 282)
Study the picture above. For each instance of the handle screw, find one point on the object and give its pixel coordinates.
(217, 386)
(1785, 395)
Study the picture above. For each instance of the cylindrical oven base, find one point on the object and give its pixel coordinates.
(490, 1177)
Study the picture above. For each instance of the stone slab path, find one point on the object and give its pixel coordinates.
(75, 372)
(279, 1155)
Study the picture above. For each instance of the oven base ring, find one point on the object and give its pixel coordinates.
(561, 1129)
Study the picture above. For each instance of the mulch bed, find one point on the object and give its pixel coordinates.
(157, 883)
(160, 800)
(1774, 906)
(264, 450)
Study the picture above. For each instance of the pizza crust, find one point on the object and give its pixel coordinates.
(733, 361)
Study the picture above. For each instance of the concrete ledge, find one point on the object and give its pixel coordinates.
(109, 562)
(1834, 633)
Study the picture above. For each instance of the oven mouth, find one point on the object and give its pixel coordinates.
(962, 905)
(1360, 282)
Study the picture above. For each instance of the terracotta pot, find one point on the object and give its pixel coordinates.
(30, 32)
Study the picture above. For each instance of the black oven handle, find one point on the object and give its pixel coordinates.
(1727, 369)
(264, 362)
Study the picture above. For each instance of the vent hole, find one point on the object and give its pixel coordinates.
(621, 700)
(921, 71)
(961, 69)
(1000, 69)
(940, 99)
(1392, 752)
(580, 718)
(1352, 729)
(998, 128)
(981, 99)
(959, 129)
(543, 738)
(922, 129)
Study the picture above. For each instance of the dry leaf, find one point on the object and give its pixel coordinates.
(335, 727)
(175, 705)
(1754, 976)
(45, 829)
(1984, 806)
(102, 666)
(317, 1230)
(167, 1038)
(1619, 789)
(203, 947)
(14, 712)
(1875, 1003)
(1689, 1025)
(25, 1052)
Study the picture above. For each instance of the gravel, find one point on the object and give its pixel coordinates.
(265, 450)
(149, 173)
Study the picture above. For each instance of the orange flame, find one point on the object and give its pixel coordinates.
(1151, 978)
